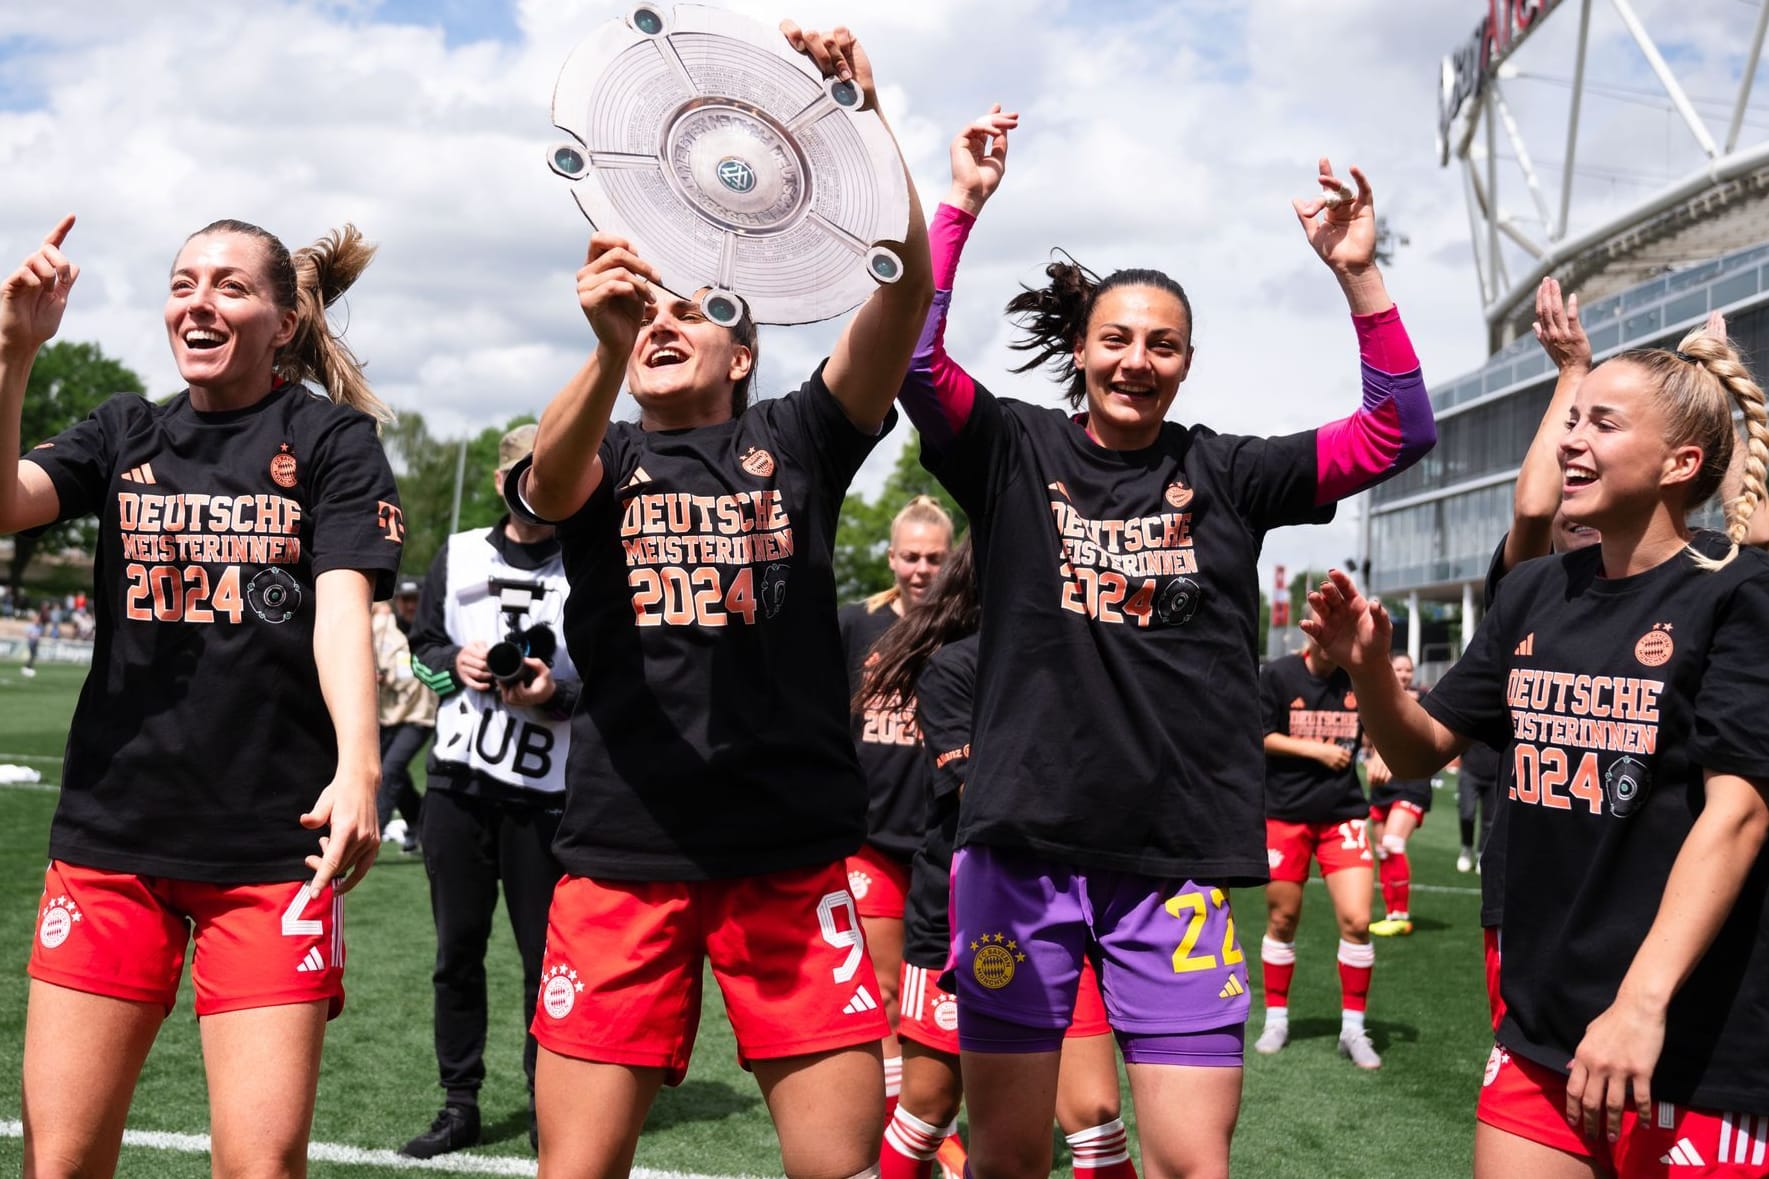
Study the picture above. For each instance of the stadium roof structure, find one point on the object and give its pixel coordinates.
(1708, 194)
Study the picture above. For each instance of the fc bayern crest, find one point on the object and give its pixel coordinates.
(706, 140)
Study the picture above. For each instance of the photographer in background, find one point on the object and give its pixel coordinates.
(485, 641)
(406, 710)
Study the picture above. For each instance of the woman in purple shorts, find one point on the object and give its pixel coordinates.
(1115, 791)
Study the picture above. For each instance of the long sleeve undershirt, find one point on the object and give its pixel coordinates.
(1390, 431)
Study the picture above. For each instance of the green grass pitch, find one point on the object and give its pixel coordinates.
(1305, 1112)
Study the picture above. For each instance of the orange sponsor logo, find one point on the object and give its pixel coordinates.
(389, 517)
(1178, 494)
(1655, 646)
(1351, 700)
(758, 462)
(282, 468)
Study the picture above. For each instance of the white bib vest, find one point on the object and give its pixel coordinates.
(521, 747)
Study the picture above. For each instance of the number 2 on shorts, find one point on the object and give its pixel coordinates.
(851, 938)
(1194, 910)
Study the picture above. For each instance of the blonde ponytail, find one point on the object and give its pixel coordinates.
(323, 272)
(307, 282)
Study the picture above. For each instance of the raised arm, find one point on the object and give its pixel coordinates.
(613, 288)
(32, 300)
(1394, 427)
(937, 394)
(869, 360)
(1357, 635)
(1537, 498)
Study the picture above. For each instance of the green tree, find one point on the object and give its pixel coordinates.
(425, 467)
(67, 382)
(864, 532)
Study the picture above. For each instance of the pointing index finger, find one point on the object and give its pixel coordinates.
(59, 234)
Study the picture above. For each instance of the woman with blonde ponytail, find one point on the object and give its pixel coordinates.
(223, 759)
(1625, 684)
(889, 746)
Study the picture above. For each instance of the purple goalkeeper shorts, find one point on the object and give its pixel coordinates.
(1168, 960)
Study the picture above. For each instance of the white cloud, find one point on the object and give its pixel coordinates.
(1168, 135)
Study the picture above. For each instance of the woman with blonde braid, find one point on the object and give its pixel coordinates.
(1626, 683)
(244, 526)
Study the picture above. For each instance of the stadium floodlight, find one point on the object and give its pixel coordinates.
(1712, 195)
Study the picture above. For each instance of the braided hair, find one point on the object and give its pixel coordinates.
(1697, 387)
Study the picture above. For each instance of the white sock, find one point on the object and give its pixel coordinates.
(1277, 1017)
(913, 1138)
(1099, 1146)
(1350, 1022)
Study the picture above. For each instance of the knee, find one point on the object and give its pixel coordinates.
(1355, 929)
(1086, 1110)
(1281, 927)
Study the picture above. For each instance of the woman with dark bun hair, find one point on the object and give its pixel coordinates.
(244, 527)
(1116, 785)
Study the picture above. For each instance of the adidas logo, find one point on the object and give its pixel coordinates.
(1683, 1154)
(1299, 702)
(1744, 1138)
(1528, 646)
(862, 1001)
(639, 476)
(313, 962)
(142, 474)
(1233, 989)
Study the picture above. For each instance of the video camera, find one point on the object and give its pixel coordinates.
(506, 659)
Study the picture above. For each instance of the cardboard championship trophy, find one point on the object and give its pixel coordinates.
(717, 150)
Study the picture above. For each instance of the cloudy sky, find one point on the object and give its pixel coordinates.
(1154, 134)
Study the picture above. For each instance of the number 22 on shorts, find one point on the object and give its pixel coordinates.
(1193, 907)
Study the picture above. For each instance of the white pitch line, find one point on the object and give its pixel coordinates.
(5, 757)
(356, 1156)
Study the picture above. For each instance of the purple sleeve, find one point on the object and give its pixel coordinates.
(937, 394)
(1394, 427)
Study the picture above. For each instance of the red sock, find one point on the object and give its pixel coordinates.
(909, 1147)
(1397, 883)
(1356, 964)
(1102, 1152)
(1277, 962)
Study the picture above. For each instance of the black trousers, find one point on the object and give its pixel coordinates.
(470, 845)
(1472, 791)
(399, 744)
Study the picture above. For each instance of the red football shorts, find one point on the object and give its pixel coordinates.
(879, 882)
(1337, 846)
(1527, 1099)
(124, 936)
(1494, 1000)
(929, 1016)
(620, 983)
(1379, 814)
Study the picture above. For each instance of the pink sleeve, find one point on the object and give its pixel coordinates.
(1393, 428)
(937, 394)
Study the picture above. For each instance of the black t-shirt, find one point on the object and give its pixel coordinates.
(887, 741)
(1483, 763)
(1295, 702)
(1613, 696)
(1116, 713)
(943, 705)
(712, 739)
(1413, 790)
(200, 736)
